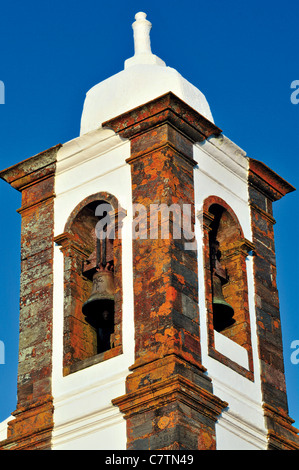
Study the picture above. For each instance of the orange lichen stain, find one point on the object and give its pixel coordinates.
(163, 422)
(206, 441)
(159, 270)
(168, 333)
(163, 310)
(180, 278)
(166, 341)
(156, 166)
(171, 294)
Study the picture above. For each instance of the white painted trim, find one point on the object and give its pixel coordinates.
(87, 147)
(222, 171)
(94, 423)
(3, 427)
(248, 435)
(231, 350)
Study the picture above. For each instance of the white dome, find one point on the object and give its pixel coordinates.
(144, 78)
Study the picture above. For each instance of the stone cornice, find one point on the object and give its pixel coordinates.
(281, 432)
(267, 181)
(66, 241)
(32, 427)
(32, 170)
(175, 388)
(166, 108)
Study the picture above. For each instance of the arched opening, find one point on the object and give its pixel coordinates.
(224, 232)
(226, 283)
(91, 245)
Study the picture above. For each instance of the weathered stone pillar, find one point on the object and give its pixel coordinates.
(33, 423)
(169, 402)
(265, 186)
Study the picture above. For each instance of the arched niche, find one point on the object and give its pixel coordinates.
(81, 246)
(225, 253)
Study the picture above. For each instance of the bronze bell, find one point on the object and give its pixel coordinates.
(223, 312)
(99, 308)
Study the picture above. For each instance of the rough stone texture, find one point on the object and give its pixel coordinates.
(167, 340)
(264, 188)
(169, 405)
(32, 426)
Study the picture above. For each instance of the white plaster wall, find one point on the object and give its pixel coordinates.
(222, 171)
(84, 417)
(3, 427)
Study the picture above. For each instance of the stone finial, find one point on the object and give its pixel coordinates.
(141, 28)
(142, 43)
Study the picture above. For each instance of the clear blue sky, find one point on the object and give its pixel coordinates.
(242, 55)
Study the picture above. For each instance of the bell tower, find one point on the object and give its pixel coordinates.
(149, 313)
